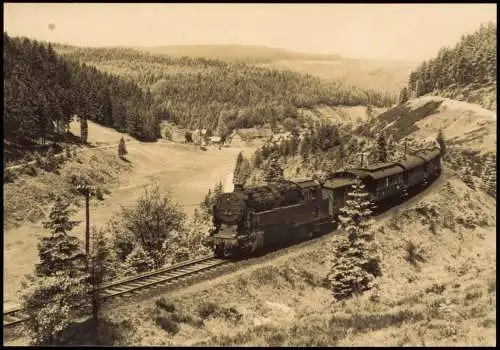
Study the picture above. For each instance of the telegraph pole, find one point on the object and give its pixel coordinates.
(87, 221)
(86, 190)
(362, 154)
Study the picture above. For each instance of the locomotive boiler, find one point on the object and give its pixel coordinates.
(247, 220)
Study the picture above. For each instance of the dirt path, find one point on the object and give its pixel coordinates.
(184, 170)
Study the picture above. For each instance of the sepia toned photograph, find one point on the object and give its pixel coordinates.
(263, 174)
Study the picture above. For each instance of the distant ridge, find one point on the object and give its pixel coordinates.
(253, 53)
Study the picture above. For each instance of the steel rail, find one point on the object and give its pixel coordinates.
(167, 275)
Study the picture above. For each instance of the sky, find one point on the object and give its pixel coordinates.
(402, 32)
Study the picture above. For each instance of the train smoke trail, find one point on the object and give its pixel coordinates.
(228, 183)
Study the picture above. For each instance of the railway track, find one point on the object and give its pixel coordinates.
(164, 276)
(179, 272)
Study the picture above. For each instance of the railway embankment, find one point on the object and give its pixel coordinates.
(438, 288)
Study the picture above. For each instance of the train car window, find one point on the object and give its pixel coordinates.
(306, 195)
(250, 220)
(313, 194)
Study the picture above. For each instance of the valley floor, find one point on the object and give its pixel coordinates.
(184, 170)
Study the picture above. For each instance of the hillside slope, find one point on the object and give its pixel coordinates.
(467, 71)
(463, 124)
(198, 92)
(368, 74)
(448, 297)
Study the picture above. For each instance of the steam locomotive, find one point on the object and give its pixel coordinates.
(248, 220)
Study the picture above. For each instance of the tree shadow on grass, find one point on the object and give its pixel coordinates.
(105, 332)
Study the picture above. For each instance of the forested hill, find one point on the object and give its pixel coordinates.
(465, 72)
(42, 92)
(197, 92)
(237, 53)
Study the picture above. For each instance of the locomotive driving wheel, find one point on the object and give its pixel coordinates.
(220, 251)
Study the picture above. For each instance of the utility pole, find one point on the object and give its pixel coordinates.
(86, 191)
(362, 154)
(87, 221)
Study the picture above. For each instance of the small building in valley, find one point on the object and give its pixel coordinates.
(240, 137)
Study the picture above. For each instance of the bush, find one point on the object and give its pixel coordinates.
(413, 253)
(152, 222)
(9, 175)
(30, 170)
(168, 323)
(122, 149)
(164, 304)
(207, 309)
(168, 135)
(98, 194)
(211, 309)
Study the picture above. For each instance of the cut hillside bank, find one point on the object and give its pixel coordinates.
(463, 124)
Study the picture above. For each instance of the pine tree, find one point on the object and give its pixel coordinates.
(60, 252)
(245, 171)
(274, 170)
(59, 288)
(391, 152)
(122, 150)
(101, 266)
(382, 149)
(237, 169)
(84, 130)
(138, 261)
(403, 95)
(440, 140)
(419, 88)
(222, 129)
(488, 177)
(50, 163)
(467, 177)
(354, 262)
(257, 158)
(218, 190)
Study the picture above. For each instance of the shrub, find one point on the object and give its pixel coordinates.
(30, 170)
(207, 309)
(122, 150)
(138, 261)
(413, 253)
(98, 194)
(168, 135)
(168, 323)
(152, 222)
(9, 175)
(164, 304)
(211, 309)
